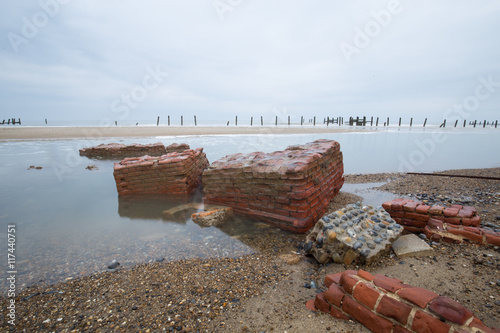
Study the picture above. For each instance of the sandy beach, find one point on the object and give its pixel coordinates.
(56, 132)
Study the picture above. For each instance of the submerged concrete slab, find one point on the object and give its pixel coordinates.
(411, 246)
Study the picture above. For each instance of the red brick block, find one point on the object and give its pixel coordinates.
(334, 295)
(479, 324)
(332, 278)
(422, 209)
(451, 212)
(467, 213)
(347, 282)
(321, 304)
(397, 205)
(457, 206)
(417, 217)
(414, 230)
(418, 296)
(453, 220)
(435, 224)
(365, 275)
(399, 329)
(449, 309)
(412, 223)
(366, 317)
(310, 305)
(436, 210)
(422, 322)
(474, 221)
(366, 294)
(392, 308)
(336, 313)
(467, 234)
(396, 214)
(411, 206)
(492, 239)
(387, 205)
(390, 284)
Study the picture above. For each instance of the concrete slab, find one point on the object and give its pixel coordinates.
(411, 246)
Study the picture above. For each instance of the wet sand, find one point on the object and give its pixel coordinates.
(57, 132)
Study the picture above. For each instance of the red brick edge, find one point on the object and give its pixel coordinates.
(387, 305)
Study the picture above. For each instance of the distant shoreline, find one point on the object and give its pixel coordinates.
(94, 132)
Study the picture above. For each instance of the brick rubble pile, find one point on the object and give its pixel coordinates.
(118, 150)
(176, 175)
(452, 224)
(289, 189)
(385, 304)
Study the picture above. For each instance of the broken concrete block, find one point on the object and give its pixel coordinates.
(289, 189)
(213, 217)
(355, 233)
(411, 246)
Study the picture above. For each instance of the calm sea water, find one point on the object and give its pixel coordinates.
(70, 222)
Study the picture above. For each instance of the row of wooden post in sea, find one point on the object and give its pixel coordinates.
(11, 121)
(358, 121)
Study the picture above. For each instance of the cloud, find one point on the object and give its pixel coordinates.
(262, 54)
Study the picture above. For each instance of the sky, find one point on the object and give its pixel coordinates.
(132, 61)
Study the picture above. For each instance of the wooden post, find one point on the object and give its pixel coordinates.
(251, 121)
(116, 123)
(236, 121)
(496, 123)
(484, 124)
(45, 121)
(387, 121)
(364, 120)
(301, 120)
(314, 121)
(399, 121)
(261, 121)
(168, 120)
(289, 121)
(195, 124)
(227, 123)
(425, 121)
(276, 121)
(475, 121)
(371, 121)
(158, 121)
(182, 120)
(411, 121)
(19, 121)
(376, 124)
(464, 122)
(456, 122)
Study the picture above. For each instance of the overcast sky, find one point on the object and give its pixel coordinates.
(132, 61)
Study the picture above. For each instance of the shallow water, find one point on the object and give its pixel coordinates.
(70, 221)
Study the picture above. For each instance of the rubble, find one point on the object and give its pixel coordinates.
(212, 216)
(289, 189)
(453, 224)
(386, 304)
(355, 233)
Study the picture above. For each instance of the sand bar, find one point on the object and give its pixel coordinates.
(56, 132)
